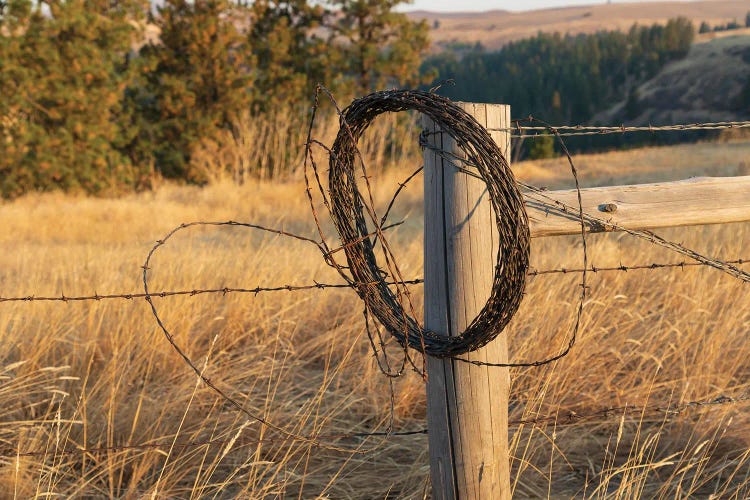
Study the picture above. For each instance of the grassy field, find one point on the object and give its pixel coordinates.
(100, 374)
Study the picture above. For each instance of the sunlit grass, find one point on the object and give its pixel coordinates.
(93, 374)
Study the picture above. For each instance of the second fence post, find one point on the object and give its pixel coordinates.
(467, 405)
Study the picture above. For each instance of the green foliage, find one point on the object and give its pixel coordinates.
(541, 147)
(377, 46)
(704, 28)
(731, 25)
(565, 78)
(632, 104)
(88, 105)
(63, 74)
(196, 82)
(291, 56)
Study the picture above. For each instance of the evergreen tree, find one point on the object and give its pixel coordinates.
(542, 147)
(63, 73)
(564, 77)
(198, 82)
(377, 46)
(291, 57)
(704, 28)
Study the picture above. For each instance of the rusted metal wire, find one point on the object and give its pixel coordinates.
(350, 210)
(622, 267)
(586, 130)
(96, 297)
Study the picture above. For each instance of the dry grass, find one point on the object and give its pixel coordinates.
(650, 164)
(100, 374)
(272, 145)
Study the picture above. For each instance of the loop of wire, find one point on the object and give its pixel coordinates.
(351, 210)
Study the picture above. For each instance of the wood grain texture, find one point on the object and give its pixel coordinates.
(467, 405)
(701, 200)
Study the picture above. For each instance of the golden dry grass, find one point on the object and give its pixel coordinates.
(84, 375)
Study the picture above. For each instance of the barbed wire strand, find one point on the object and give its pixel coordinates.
(653, 266)
(311, 440)
(587, 130)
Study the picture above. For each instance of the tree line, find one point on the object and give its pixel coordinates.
(90, 102)
(731, 25)
(564, 78)
(103, 96)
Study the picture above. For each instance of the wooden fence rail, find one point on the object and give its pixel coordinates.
(701, 200)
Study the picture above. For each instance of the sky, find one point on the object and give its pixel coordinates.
(512, 5)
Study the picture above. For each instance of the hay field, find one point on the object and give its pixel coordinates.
(100, 374)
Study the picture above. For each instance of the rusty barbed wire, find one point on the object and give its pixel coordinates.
(560, 417)
(95, 297)
(350, 209)
(587, 130)
(189, 292)
(637, 267)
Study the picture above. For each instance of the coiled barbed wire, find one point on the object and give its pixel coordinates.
(348, 207)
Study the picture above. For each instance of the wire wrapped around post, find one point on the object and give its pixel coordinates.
(348, 212)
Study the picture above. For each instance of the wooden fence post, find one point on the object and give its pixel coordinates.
(467, 405)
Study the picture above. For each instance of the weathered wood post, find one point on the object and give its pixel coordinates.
(467, 405)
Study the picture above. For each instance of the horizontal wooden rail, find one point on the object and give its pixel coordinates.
(701, 200)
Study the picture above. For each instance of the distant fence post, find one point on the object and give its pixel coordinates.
(467, 405)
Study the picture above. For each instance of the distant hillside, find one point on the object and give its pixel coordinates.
(564, 79)
(496, 28)
(712, 83)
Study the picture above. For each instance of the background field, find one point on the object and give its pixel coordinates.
(101, 374)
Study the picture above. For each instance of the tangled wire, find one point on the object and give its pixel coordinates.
(348, 207)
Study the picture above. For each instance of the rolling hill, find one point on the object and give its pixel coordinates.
(495, 28)
(707, 85)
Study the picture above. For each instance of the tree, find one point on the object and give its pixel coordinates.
(747, 19)
(379, 46)
(704, 28)
(632, 104)
(589, 73)
(291, 57)
(197, 82)
(63, 73)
